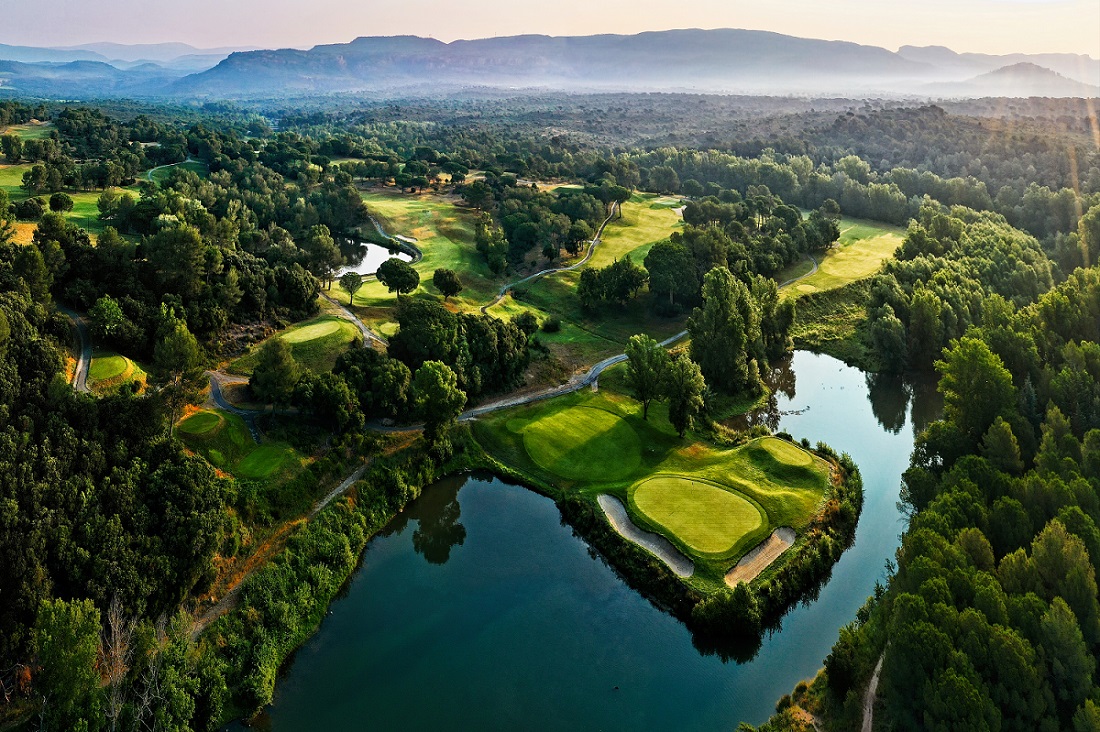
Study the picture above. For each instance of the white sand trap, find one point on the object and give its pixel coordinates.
(656, 544)
(760, 556)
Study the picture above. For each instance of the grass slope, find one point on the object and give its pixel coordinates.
(224, 440)
(863, 247)
(316, 344)
(109, 371)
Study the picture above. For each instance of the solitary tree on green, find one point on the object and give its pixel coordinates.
(276, 373)
(447, 282)
(646, 365)
(398, 276)
(352, 282)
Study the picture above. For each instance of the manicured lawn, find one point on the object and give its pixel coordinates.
(707, 517)
(583, 443)
(444, 233)
(597, 442)
(225, 441)
(161, 174)
(863, 247)
(85, 213)
(29, 131)
(316, 344)
(644, 223)
(108, 371)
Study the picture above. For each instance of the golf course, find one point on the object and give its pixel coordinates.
(711, 502)
(224, 440)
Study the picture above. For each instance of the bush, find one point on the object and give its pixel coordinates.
(551, 325)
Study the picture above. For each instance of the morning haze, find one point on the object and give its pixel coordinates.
(982, 26)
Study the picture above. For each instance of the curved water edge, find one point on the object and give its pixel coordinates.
(655, 544)
(499, 610)
(372, 253)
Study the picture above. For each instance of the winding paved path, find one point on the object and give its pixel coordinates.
(84, 353)
(554, 270)
(149, 175)
(869, 696)
(801, 277)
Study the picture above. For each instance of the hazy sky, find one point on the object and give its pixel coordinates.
(991, 26)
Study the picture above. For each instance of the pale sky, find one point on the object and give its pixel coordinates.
(988, 26)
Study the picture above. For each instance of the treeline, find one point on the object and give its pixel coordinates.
(939, 282)
(991, 619)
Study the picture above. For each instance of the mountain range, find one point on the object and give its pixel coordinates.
(726, 61)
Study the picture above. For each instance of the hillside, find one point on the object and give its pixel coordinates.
(1022, 79)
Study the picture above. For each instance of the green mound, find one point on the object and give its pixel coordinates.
(264, 461)
(200, 423)
(782, 462)
(311, 332)
(785, 452)
(706, 517)
(584, 443)
(108, 367)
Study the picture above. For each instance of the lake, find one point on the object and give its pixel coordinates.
(476, 609)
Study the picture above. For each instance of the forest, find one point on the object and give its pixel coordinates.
(214, 228)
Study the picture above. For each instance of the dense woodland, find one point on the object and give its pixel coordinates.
(109, 525)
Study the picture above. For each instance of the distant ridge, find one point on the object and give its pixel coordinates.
(1019, 79)
(692, 60)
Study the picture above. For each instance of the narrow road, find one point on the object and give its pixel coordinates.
(869, 696)
(368, 334)
(149, 175)
(265, 553)
(542, 273)
(801, 277)
(84, 350)
(217, 399)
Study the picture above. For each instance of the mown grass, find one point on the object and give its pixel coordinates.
(29, 131)
(709, 518)
(159, 175)
(315, 343)
(85, 213)
(565, 443)
(224, 440)
(860, 252)
(110, 371)
(444, 233)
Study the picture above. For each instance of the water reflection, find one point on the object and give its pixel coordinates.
(436, 513)
(364, 257)
(892, 397)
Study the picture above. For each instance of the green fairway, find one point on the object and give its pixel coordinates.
(29, 131)
(161, 174)
(265, 460)
(584, 443)
(315, 343)
(200, 423)
(863, 247)
(311, 332)
(85, 213)
(707, 517)
(108, 371)
(643, 223)
(107, 367)
(225, 441)
(444, 232)
(597, 442)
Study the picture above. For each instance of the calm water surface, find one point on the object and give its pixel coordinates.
(477, 610)
(367, 257)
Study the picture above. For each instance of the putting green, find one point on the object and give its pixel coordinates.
(584, 443)
(263, 461)
(200, 423)
(107, 367)
(785, 452)
(311, 332)
(707, 518)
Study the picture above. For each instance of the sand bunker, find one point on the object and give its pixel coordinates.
(760, 556)
(658, 545)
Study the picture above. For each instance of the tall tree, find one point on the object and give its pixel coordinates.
(352, 282)
(276, 373)
(724, 330)
(66, 639)
(398, 276)
(176, 358)
(976, 387)
(438, 399)
(684, 386)
(447, 282)
(647, 362)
